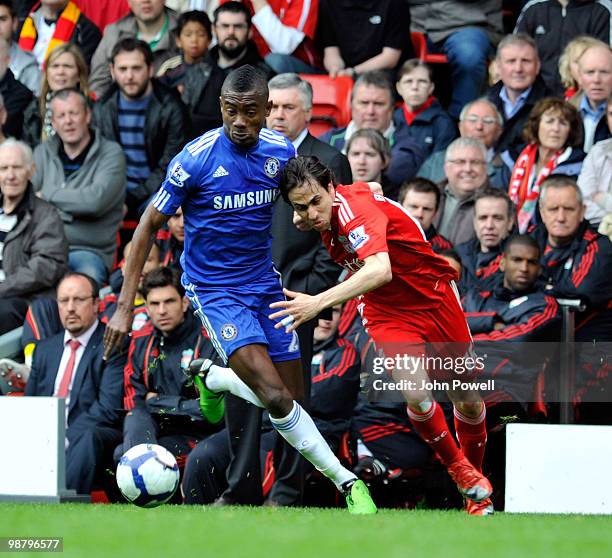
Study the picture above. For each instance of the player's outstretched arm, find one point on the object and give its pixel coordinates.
(375, 273)
(119, 325)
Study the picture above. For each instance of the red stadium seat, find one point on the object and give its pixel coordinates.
(331, 102)
(420, 48)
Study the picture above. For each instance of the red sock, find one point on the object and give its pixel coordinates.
(432, 427)
(472, 436)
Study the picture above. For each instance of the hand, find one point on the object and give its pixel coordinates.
(333, 64)
(117, 329)
(299, 223)
(349, 72)
(151, 395)
(605, 227)
(301, 309)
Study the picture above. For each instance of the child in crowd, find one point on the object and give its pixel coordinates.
(421, 116)
(193, 36)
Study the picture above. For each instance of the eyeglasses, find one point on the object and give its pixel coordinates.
(464, 162)
(78, 300)
(488, 120)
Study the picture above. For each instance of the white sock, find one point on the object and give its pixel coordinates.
(300, 431)
(219, 378)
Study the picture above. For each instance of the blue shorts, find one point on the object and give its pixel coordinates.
(237, 316)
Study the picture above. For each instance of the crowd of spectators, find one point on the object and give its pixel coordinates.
(510, 181)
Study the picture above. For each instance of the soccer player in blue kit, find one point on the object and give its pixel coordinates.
(226, 182)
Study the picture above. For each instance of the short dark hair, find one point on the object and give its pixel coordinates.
(162, 277)
(195, 16)
(9, 5)
(245, 79)
(421, 185)
(95, 288)
(233, 8)
(498, 195)
(304, 169)
(567, 111)
(522, 240)
(131, 44)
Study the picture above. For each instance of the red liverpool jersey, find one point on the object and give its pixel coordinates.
(363, 224)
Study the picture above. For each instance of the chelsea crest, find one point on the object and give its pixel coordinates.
(271, 167)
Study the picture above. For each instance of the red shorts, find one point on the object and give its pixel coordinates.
(437, 332)
(444, 324)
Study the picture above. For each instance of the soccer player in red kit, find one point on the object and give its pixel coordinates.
(407, 298)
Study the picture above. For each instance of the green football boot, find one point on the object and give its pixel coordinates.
(358, 499)
(212, 405)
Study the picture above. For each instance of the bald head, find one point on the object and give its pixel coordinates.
(16, 170)
(481, 120)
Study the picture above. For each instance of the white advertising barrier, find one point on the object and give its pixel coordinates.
(32, 446)
(553, 468)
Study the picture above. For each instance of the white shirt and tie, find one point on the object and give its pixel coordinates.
(63, 369)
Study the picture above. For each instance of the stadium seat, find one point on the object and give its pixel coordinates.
(331, 102)
(420, 48)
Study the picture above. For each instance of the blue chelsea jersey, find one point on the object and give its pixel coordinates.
(227, 194)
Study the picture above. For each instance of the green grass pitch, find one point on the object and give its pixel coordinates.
(113, 531)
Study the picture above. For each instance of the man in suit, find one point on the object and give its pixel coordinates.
(300, 256)
(304, 264)
(70, 365)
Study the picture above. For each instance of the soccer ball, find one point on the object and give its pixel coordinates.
(147, 475)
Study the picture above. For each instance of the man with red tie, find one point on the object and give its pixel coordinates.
(70, 365)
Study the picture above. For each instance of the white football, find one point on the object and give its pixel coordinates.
(147, 475)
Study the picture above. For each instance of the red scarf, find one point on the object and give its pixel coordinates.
(521, 192)
(64, 28)
(410, 116)
(570, 92)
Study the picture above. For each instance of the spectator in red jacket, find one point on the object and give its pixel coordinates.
(284, 32)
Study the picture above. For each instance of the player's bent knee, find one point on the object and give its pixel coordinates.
(278, 401)
(469, 408)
